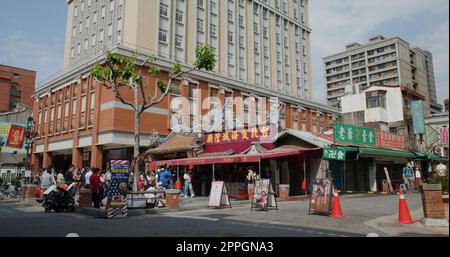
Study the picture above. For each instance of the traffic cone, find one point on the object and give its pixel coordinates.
(403, 215)
(336, 211)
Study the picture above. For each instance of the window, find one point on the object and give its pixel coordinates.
(110, 32)
(200, 25)
(213, 30)
(163, 36)
(163, 10)
(376, 99)
(102, 35)
(179, 41)
(93, 40)
(111, 5)
(179, 16)
(230, 16)
(230, 37)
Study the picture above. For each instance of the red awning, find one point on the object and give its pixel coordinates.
(284, 151)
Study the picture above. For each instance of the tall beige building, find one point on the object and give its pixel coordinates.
(380, 62)
(265, 43)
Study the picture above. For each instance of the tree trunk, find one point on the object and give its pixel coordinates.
(137, 125)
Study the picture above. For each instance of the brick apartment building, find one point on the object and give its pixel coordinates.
(16, 85)
(80, 122)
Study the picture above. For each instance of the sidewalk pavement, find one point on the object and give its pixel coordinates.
(389, 225)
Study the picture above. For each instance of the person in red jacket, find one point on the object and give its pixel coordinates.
(95, 187)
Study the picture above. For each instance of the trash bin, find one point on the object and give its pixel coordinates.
(85, 199)
(172, 199)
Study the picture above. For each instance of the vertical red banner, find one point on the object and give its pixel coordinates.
(16, 137)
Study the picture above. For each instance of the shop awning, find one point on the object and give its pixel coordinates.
(284, 151)
(430, 156)
(175, 144)
(386, 152)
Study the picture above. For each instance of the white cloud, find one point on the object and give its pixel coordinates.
(337, 23)
(45, 58)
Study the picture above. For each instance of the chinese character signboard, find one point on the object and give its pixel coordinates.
(117, 205)
(355, 135)
(390, 140)
(334, 154)
(12, 135)
(238, 140)
(443, 134)
(418, 117)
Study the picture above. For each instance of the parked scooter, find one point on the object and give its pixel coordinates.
(59, 198)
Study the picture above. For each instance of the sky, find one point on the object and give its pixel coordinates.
(33, 32)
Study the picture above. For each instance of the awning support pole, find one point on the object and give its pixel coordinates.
(304, 174)
(214, 172)
(259, 167)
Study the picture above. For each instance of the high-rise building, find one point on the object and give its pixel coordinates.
(16, 86)
(262, 47)
(435, 107)
(380, 62)
(262, 43)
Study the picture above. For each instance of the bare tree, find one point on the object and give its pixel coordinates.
(119, 73)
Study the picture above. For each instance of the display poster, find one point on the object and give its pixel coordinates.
(218, 197)
(263, 195)
(12, 137)
(321, 197)
(117, 205)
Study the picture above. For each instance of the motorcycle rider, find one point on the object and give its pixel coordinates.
(47, 179)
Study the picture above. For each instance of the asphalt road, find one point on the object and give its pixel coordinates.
(291, 220)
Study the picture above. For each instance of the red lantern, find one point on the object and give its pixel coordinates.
(304, 184)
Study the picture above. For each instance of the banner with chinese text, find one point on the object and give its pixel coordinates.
(355, 135)
(418, 117)
(443, 135)
(390, 140)
(117, 205)
(238, 140)
(334, 154)
(12, 135)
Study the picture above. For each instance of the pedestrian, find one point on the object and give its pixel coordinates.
(418, 177)
(69, 176)
(94, 183)
(408, 177)
(141, 182)
(47, 180)
(87, 177)
(102, 188)
(108, 177)
(188, 185)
